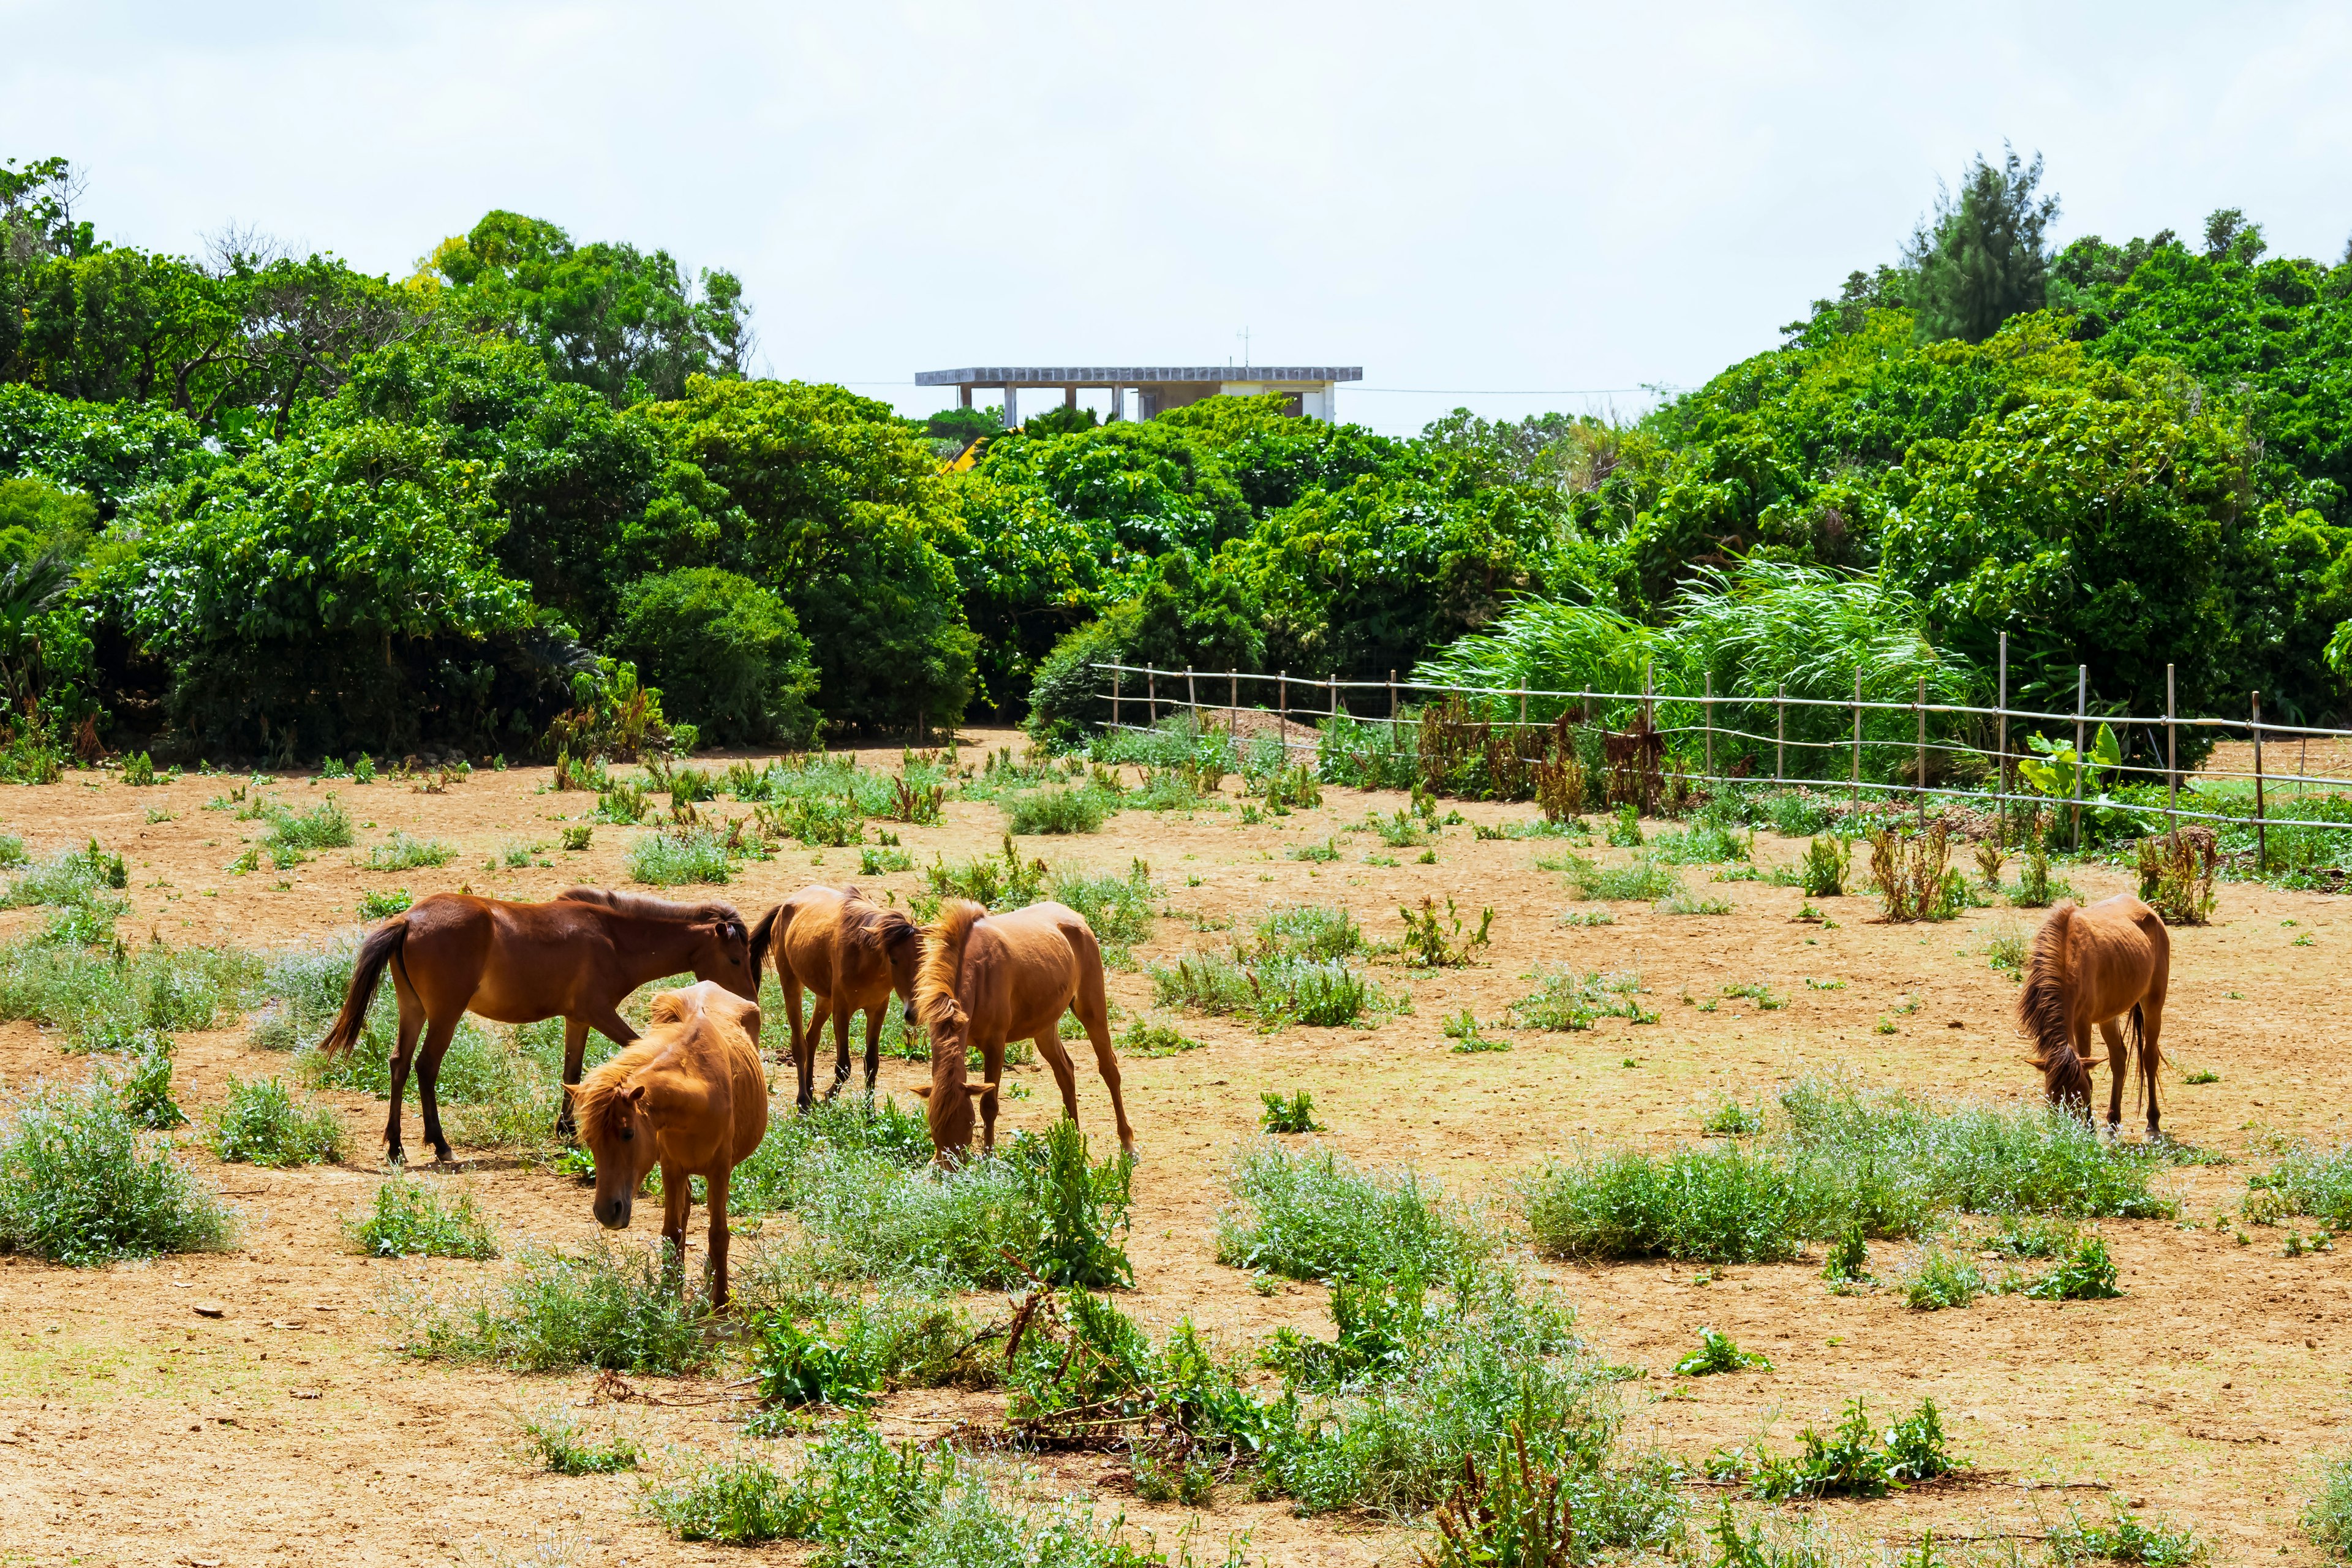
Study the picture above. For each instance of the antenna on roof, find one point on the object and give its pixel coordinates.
(1244, 335)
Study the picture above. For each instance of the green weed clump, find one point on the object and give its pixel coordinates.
(401, 852)
(2086, 1274)
(1644, 880)
(816, 820)
(2126, 1537)
(737, 1499)
(1078, 810)
(1280, 991)
(1117, 910)
(410, 1219)
(1143, 1041)
(1851, 1460)
(1000, 881)
(260, 1124)
(2327, 1517)
(294, 834)
(1822, 872)
(852, 1351)
(80, 1185)
(1717, 1353)
(1941, 1282)
(668, 858)
(2310, 1180)
(1719, 1205)
(611, 1306)
(1310, 1214)
(561, 1444)
(1288, 1113)
(1567, 997)
(145, 1088)
(1308, 930)
(1707, 843)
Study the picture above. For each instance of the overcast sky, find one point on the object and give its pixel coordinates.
(1508, 208)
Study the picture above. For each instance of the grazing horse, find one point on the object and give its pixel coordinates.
(2092, 966)
(987, 979)
(690, 1097)
(578, 955)
(852, 954)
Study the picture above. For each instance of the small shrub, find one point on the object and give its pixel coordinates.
(1461, 1028)
(259, 1123)
(1730, 1119)
(2327, 1517)
(1002, 882)
(1914, 877)
(1642, 882)
(410, 1220)
(383, 903)
(1398, 831)
(1713, 1204)
(79, 1185)
(2086, 1274)
(1294, 1114)
(1322, 853)
(326, 825)
(1312, 1214)
(737, 1500)
(561, 1445)
(2005, 948)
(1625, 827)
(2311, 1181)
(1941, 1281)
(624, 802)
(1823, 870)
(883, 862)
(1683, 901)
(2032, 1236)
(1080, 810)
(400, 852)
(1849, 1258)
(1707, 844)
(1143, 1041)
(2125, 1538)
(1853, 1460)
(831, 822)
(1430, 943)
(1717, 1353)
(611, 1306)
(1567, 997)
(1117, 910)
(2176, 872)
(1308, 930)
(576, 838)
(667, 859)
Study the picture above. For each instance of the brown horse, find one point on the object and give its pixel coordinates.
(578, 955)
(2093, 966)
(987, 979)
(852, 954)
(692, 1098)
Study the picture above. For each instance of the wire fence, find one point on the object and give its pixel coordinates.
(1982, 755)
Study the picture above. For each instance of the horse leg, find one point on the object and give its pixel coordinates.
(2151, 1055)
(873, 1045)
(804, 1050)
(1096, 1016)
(678, 1204)
(1065, 1079)
(437, 1036)
(575, 1051)
(2119, 1067)
(412, 1024)
(715, 1266)
(841, 1011)
(992, 1058)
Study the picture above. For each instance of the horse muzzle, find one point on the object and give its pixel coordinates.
(612, 1213)
(908, 1014)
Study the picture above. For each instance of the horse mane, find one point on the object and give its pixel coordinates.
(599, 1089)
(2041, 1012)
(935, 984)
(638, 905)
(871, 926)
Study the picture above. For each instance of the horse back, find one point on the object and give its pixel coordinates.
(1022, 969)
(710, 1037)
(2119, 953)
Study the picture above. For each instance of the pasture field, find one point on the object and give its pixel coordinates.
(255, 1405)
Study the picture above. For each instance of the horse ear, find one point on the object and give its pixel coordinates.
(977, 1090)
(923, 1091)
(634, 1094)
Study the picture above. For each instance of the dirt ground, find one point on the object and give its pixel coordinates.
(134, 1430)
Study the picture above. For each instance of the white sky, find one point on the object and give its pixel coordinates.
(1508, 204)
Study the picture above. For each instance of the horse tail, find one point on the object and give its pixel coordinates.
(2044, 1016)
(770, 928)
(2137, 1043)
(383, 945)
(944, 943)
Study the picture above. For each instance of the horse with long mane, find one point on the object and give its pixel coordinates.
(852, 954)
(987, 979)
(690, 1097)
(2093, 966)
(578, 955)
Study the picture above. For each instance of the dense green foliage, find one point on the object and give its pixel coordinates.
(260, 504)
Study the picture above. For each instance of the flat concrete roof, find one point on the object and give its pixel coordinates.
(1131, 375)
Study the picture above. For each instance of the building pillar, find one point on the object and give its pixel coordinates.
(1012, 410)
(1069, 397)
(1117, 406)
(963, 396)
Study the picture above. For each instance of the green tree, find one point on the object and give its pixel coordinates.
(1982, 259)
(725, 653)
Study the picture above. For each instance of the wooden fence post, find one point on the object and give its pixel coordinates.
(1392, 699)
(1192, 703)
(1781, 735)
(2262, 834)
(1706, 715)
(1151, 687)
(1282, 714)
(1857, 737)
(1114, 698)
(1919, 760)
(2171, 767)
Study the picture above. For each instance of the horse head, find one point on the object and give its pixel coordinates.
(620, 1137)
(726, 955)
(904, 944)
(948, 1099)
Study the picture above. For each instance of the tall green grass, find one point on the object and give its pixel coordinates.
(611, 1305)
(260, 1124)
(81, 1183)
(667, 858)
(410, 1219)
(1312, 1213)
(108, 997)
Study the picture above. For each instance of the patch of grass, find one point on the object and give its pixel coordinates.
(1308, 930)
(2310, 1180)
(2327, 1517)
(1822, 872)
(410, 1219)
(1717, 1353)
(852, 1350)
(1849, 1260)
(292, 835)
(1398, 831)
(613, 1305)
(1291, 1113)
(1278, 992)
(1707, 843)
(1000, 881)
(816, 821)
(1144, 1041)
(667, 858)
(383, 903)
(1589, 918)
(1080, 810)
(736, 1500)
(79, 1184)
(2005, 948)
(562, 1445)
(2126, 1537)
(1759, 992)
(1625, 827)
(145, 1088)
(1941, 1281)
(1312, 1214)
(1431, 943)
(1720, 1205)
(2032, 1236)
(1117, 910)
(1322, 853)
(400, 852)
(1730, 1119)
(2086, 1274)
(1681, 900)
(1852, 1460)
(260, 1124)
(1461, 1028)
(577, 838)
(1642, 882)
(108, 999)
(1567, 997)
(624, 802)
(883, 862)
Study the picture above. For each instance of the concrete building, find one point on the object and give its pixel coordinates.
(1311, 389)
